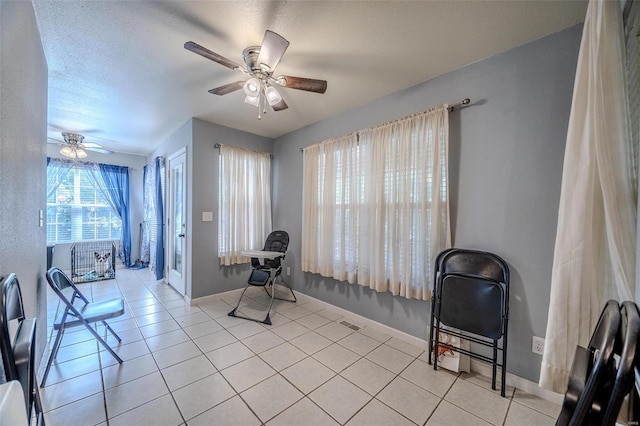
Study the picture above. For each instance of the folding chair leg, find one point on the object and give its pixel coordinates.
(233, 313)
(430, 346)
(52, 355)
(286, 285)
(436, 344)
(267, 319)
(39, 412)
(112, 332)
(495, 364)
(102, 341)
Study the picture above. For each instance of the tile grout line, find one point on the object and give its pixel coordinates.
(158, 296)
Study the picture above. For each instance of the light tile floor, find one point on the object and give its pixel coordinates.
(195, 365)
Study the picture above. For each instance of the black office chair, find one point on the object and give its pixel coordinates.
(265, 274)
(85, 314)
(592, 373)
(18, 351)
(471, 298)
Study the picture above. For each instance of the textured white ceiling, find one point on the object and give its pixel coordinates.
(118, 72)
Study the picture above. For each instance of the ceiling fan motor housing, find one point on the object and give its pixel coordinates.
(250, 55)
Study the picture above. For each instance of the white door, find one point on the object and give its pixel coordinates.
(176, 223)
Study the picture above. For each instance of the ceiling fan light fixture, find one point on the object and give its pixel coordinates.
(273, 97)
(252, 100)
(252, 87)
(81, 153)
(67, 151)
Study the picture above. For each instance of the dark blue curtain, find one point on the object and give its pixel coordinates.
(159, 220)
(116, 179)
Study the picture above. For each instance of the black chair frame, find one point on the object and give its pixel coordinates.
(593, 373)
(489, 274)
(18, 353)
(628, 348)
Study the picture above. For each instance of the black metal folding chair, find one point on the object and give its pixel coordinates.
(18, 351)
(265, 272)
(627, 348)
(592, 373)
(86, 313)
(471, 298)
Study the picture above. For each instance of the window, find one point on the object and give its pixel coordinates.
(375, 205)
(244, 202)
(76, 208)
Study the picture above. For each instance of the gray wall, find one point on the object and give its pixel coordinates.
(205, 276)
(23, 121)
(506, 154)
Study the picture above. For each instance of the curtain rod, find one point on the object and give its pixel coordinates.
(452, 107)
(253, 150)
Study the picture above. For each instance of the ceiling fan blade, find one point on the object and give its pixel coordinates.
(280, 106)
(202, 51)
(101, 150)
(300, 83)
(55, 141)
(272, 48)
(90, 145)
(227, 88)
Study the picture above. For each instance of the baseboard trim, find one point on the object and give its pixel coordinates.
(204, 299)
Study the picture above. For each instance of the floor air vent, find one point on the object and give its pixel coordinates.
(351, 326)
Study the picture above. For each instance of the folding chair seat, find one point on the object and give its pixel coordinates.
(18, 351)
(265, 272)
(74, 314)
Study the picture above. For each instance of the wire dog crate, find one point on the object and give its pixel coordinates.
(93, 261)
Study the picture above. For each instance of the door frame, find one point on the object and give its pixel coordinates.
(182, 287)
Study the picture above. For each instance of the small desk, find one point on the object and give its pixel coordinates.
(261, 255)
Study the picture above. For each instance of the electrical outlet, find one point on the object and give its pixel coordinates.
(288, 270)
(537, 345)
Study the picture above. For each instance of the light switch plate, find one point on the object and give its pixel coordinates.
(207, 216)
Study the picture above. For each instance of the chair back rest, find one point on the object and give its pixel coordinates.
(58, 280)
(476, 263)
(12, 309)
(276, 241)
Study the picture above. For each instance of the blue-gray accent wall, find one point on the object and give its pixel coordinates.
(506, 156)
(23, 176)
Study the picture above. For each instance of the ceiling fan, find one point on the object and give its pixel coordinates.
(74, 147)
(260, 63)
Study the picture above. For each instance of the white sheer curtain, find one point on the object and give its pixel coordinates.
(57, 171)
(375, 205)
(594, 257)
(244, 202)
(330, 196)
